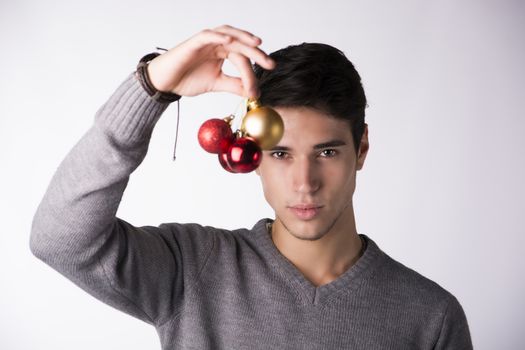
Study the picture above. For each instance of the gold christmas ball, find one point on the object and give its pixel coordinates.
(263, 124)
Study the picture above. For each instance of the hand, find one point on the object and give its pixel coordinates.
(195, 66)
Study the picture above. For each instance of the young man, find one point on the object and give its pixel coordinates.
(305, 280)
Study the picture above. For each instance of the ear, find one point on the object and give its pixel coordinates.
(363, 149)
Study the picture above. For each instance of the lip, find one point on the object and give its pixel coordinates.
(305, 211)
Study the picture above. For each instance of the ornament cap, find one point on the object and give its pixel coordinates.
(252, 104)
(239, 133)
(229, 119)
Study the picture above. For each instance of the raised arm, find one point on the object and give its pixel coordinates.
(75, 229)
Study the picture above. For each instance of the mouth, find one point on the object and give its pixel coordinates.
(305, 211)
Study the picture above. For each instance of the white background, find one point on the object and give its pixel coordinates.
(442, 190)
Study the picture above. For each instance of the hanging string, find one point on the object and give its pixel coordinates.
(239, 113)
(176, 132)
(178, 117)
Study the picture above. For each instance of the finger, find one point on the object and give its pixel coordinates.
(253, 53)
(185, 51)
(239, 34)
(226, 83)
(244, 67)
(207, 37)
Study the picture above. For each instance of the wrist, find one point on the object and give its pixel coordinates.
(144, 79)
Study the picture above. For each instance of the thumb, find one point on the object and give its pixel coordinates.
(227, 83)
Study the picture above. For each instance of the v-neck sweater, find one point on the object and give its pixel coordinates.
(209, 288)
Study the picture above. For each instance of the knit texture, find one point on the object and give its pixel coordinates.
(210, 288)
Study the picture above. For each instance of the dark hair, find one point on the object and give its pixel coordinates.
(318, 76)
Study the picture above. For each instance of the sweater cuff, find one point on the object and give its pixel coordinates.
(130, 114)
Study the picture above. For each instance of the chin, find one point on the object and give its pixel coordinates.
(312, 237)
(307, 230)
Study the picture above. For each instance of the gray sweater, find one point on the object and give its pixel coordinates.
(210, 288)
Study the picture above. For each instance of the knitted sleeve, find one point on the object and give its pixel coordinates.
(75, 230)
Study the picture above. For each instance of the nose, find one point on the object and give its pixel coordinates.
(305, 176)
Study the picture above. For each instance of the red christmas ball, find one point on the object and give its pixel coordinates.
(215, 135)
(223, 159)
(244, 155)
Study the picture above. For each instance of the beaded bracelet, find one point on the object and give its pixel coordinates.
(143, 77)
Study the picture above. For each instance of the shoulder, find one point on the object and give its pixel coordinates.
(401, 288)
(214, 248)
(406, 285)
(195, 234)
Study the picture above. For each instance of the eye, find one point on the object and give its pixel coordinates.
(328, 153)
(279, 155)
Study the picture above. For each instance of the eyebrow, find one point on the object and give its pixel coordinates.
(329, 144)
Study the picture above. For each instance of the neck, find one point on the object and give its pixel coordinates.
(323, 260)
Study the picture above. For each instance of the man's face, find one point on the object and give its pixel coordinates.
(309, 177)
